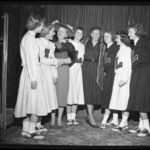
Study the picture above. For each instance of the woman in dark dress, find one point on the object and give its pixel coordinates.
(109, 63)
(139, 99)
(92, 91)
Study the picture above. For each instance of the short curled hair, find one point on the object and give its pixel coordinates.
(124, 37)
(34, 21)
(94, 28)
(139, 31)
(46, 30)
(112, 33)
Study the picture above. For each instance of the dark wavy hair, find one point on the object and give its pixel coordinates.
(95, 28)
(112, 33)
(124, 37)
(34, 21)
(139, 31)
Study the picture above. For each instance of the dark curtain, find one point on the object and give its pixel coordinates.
(113, 17)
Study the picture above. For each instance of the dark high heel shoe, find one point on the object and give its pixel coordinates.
(92, 125)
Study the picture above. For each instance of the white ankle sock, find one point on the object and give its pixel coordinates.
(141, 126)
(69, 117)
(32, 127)
(73, 116)
(104, 121)
(115, 118)
(124, 121)
(26, 125)
(146, 124)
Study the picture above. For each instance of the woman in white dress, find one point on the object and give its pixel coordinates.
(49, 67)
(76, 94)
(120, 92)
(31, 99)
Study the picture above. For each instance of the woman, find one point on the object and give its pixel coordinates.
(109, 63)
(140, 86)
(75, 94)
(31, 99)
(120, 92)
(64, 49)
(92, 91)
(49, 67)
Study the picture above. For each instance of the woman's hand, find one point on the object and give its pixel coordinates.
(67, 61)
(121, 83)
(55, 80)
(33, 84)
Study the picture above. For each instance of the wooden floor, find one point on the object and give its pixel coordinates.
(83, 135)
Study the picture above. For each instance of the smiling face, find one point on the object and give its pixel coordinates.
(62, 33)
(40, 28)
(95, 34)
(118, 40)
(132, 33)
(51, 34)
(107, 38)
(78, 34)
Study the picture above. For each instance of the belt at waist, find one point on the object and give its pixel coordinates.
(91, 60)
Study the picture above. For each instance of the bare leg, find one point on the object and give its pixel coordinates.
(53, 117)
(90, 114)
(60, 113)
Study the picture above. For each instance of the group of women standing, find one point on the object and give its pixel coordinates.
(62, 74)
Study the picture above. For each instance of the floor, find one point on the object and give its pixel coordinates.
(82, 135)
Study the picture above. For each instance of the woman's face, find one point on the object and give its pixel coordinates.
(118, 40)
(132, 33)
(51, 34)
(95, 34)
(78, 34)
(107, 38)
(62, 33)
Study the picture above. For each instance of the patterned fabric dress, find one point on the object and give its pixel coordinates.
(31, 101)
(109, 64)
(120, 94)
(76, 94)
(139, 99)
(48, 69)
(92, 92)
(64, 50)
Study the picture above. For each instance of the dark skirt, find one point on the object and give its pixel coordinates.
(92, 91)
(62, 85)
(107, 88)
(139, 99)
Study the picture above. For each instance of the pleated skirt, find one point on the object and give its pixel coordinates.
(139, 99)
(32, 101)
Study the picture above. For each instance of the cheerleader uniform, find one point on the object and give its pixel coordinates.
(120, 95)
(64, 50)
(49, 69)
(139, 99)
(31, 101)
(76, 94)
(109, 63)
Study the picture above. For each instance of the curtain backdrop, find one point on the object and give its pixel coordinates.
(113, 17)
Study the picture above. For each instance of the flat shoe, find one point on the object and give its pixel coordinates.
(143, 133)
(103, 126)
(135, 131)
(92, 125)
(120, 128)
(75, 123)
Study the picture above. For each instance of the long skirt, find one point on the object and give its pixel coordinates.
(75, 95)
(107, 88)
(120, 95)
(50, 86)
(62, 85)
(92, 91)
(32, 101)
(139, 99)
